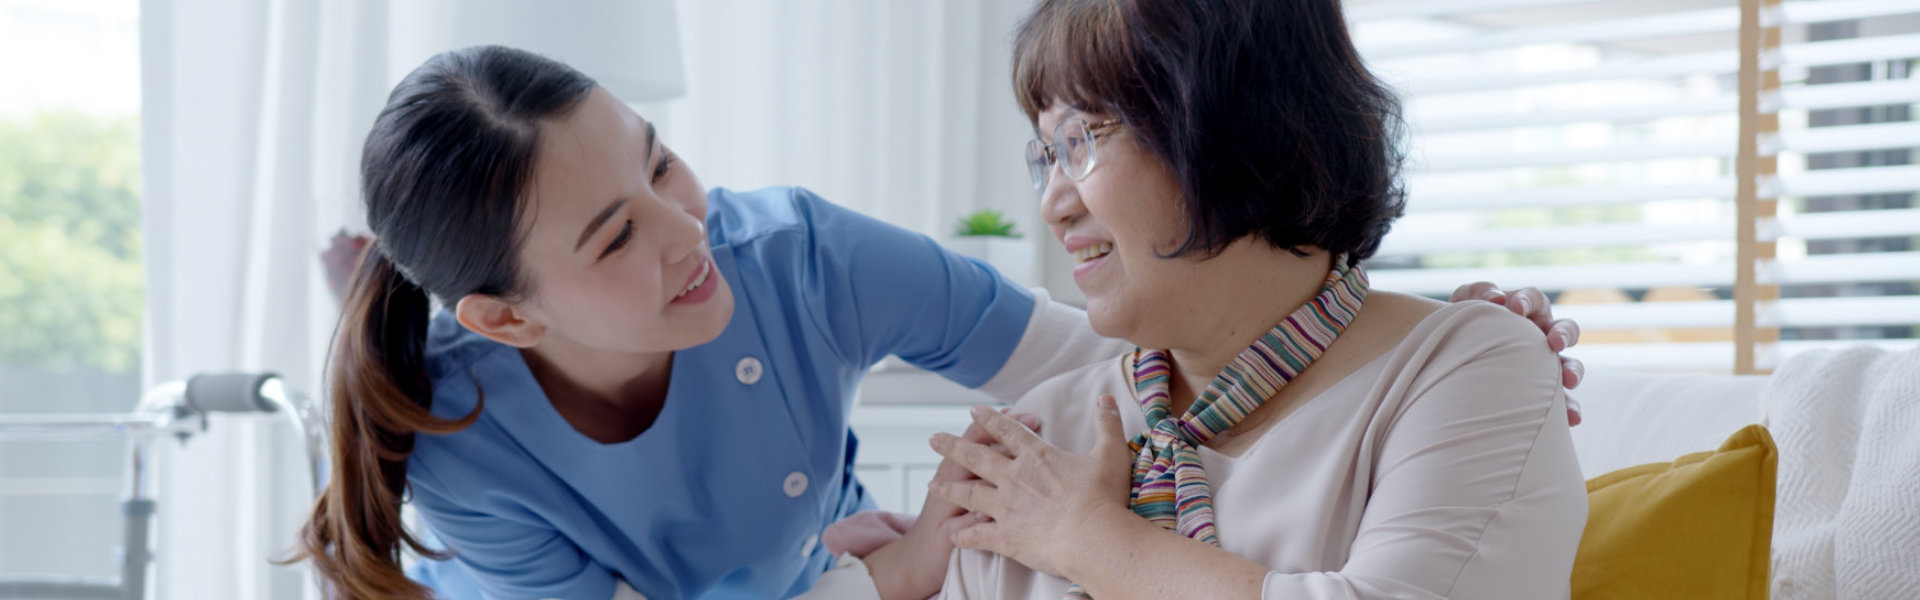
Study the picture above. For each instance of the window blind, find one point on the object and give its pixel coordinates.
(1705, 185)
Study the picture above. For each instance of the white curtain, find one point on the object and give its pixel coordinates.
(900, 110)
(252, 117)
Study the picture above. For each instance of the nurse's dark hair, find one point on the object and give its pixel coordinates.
(444, 174)
(1262, 111)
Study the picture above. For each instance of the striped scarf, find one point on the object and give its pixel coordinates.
(1169, 484)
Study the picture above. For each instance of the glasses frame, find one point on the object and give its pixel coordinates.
(1042, 157)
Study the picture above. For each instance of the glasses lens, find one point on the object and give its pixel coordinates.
(1037, 163)
(1074, 147)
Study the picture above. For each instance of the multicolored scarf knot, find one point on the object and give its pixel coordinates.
(1169, 483)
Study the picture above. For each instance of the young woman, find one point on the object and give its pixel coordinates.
(634, 387)
(1221, 170)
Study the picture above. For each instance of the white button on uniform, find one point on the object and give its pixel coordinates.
(748, 370)
(795, 485)
(806, 549)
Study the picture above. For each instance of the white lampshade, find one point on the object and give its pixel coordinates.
(632, 47)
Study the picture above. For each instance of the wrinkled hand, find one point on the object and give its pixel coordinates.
(866, 531)
(953, 471)
(340, 259)
(1034, 501)
(1561, 333)
(907, 555)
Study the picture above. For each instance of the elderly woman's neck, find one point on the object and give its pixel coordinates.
(1253, 294)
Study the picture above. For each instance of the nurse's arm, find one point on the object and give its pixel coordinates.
(875, 289)
(1057, 340)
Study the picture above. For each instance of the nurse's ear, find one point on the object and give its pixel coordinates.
(499, 320)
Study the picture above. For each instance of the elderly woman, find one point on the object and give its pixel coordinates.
(1221, 170)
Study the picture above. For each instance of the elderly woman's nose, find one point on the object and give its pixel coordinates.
(1060, 200)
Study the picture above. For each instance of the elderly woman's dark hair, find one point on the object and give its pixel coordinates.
(1261, 109)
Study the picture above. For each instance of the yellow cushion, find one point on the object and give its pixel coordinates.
(1699, 527)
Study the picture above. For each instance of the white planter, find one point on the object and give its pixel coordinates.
(1012, 257)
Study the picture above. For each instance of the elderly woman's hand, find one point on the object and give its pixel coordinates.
(908, 555)
(340, 258)
(863, 532)
(1035, 503)
(1561, 333)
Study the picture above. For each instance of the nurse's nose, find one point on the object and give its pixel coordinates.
(687, 237)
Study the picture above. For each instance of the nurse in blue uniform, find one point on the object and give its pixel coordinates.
(632, 388)
(749, 459)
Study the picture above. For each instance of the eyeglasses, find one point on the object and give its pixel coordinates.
(1073, 147)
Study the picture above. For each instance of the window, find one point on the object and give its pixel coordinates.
(1593, 148)
(71, 280)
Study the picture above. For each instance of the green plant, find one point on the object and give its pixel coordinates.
(986, 222)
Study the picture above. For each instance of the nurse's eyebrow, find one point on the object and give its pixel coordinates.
(601, 219)
(598, 220)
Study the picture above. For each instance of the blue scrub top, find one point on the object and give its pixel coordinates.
(725, 496)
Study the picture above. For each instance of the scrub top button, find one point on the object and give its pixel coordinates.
(795, 485)
(748, 370)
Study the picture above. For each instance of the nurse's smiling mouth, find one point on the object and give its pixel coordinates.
(700, 287)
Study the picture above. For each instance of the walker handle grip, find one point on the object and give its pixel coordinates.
(229, 392)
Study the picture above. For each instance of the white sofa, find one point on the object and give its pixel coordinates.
(1633, 418)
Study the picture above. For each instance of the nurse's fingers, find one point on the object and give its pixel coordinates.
(1007, 431)
(953, 525)
(863, 532)
(981, 460)
(1529, 302)
(977, 496)
(1479, 290)
(1572, 372)
(899, 522)
(1562, 334)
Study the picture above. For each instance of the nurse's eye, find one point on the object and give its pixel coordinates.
(619, 241)
(666, 162)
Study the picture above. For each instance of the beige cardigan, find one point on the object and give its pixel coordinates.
(1443, 469)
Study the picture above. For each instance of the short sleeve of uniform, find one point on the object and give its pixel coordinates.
(877, 289)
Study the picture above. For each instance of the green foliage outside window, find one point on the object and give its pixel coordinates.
(70, 266)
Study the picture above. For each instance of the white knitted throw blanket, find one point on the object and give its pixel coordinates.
(1847, 513)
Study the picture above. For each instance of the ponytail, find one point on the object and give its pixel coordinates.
(443, 173)
(381, 395)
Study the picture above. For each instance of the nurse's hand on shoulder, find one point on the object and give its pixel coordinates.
(863, 532)
(1561, 333)
(1038, 504)
(907, 556)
